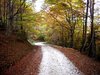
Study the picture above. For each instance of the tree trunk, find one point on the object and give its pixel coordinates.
(85, 28)
(92, 47)
(0, 7)
(71, 38)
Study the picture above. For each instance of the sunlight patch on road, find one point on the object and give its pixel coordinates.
(39, 43)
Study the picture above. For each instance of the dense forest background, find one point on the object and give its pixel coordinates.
(68, 23)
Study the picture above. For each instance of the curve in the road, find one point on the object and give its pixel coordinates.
(56, 63)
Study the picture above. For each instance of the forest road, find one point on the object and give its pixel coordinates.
(45, 61)
(56, 63)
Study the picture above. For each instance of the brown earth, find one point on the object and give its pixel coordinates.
(18, 57)
(28, 65)
(87, 65)
(12, 50)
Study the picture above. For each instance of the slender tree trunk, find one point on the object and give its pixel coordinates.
(62, 35)
(85, 28)
(10, 18)
(83, 32)
(92, 48)
(0, 13)
(4, 14)
(71, 38)
(8, 22)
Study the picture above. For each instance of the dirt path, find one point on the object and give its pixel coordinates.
(55, 63)
(47, 61)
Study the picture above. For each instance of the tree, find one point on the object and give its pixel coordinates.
(92, 45)
(64, 17)
(85, 28)
(13, 16)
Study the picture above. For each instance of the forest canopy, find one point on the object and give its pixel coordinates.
(68, 23)
(71, 23)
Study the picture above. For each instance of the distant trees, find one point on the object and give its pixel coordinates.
(64, 22)
(71, 23)
(68, 15)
